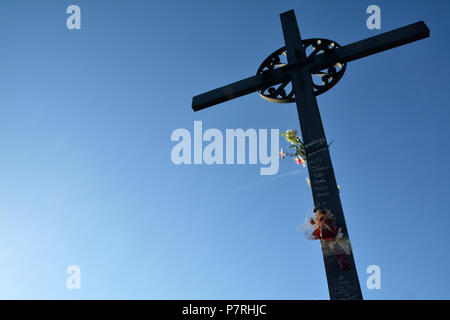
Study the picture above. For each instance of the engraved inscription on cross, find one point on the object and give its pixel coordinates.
(283, 81)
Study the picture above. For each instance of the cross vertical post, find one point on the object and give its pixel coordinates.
(342, 284)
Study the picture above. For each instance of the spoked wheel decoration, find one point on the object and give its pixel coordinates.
(323, 80)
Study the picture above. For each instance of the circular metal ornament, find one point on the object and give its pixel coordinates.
(323, 80)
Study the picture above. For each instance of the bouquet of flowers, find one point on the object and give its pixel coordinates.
(298, 149)
(323, 227)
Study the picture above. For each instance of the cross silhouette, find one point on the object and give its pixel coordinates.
(326, 60)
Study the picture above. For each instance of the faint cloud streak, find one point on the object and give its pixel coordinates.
(266, 180)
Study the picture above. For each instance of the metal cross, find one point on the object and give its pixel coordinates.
(293, 81)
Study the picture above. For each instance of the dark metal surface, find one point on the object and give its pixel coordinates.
(323, 80)
(320, 168)
(279, 92)
(287, 76)
(240, 88)
(331, 73)
(316, 63)
(369, 46)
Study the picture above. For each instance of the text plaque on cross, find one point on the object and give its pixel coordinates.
(343, 283)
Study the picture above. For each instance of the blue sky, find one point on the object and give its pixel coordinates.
(86, 176)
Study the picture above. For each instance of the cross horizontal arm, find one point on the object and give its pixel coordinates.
(240, 88)
(369, 46)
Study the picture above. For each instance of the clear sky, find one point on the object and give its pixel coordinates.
(86, 176)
